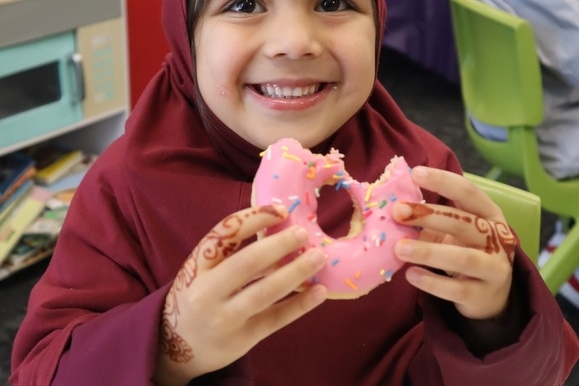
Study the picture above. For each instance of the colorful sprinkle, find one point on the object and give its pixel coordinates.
(387, 274)
(382, 204)
(292, 157)
(369, 193)
(335, 262)
(311, 173)
(294, 205)
(328, 241)
(350, 284)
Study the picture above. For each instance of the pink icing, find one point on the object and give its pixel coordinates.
(362, 260)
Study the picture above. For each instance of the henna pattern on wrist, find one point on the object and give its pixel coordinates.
(498, 235)
(221, 241)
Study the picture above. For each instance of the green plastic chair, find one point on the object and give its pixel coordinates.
(521, 209)
(501, 86)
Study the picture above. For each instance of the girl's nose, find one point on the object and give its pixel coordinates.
(294, 36)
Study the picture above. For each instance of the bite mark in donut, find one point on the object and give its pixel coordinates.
(364, 258)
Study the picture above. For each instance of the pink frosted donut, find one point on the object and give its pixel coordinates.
(364, 258)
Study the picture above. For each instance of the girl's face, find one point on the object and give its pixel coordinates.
(285, 68)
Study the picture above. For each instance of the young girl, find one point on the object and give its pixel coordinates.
(125, 301)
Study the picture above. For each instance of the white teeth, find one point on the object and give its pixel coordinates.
(275, 91)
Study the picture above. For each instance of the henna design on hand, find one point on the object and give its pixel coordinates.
(498, 235)
(221, 241)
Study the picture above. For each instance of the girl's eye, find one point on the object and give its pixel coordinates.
(245, 6)
(332, 6)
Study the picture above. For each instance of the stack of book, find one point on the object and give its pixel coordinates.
(36, 186)
(21, 201)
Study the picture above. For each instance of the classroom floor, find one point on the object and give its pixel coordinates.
(426, 98)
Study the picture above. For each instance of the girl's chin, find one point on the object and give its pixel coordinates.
(307, 140)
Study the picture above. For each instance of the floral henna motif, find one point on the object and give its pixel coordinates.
(222, 241)
(498, 235)
(173, 345)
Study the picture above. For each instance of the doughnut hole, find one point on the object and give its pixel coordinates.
(339, 223)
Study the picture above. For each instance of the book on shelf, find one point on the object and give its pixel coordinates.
(20, 218)
(15, 199)
(73, 178)
(28, 246)
(53, 161)
(15, 169)
(39, 238)
(35, 251)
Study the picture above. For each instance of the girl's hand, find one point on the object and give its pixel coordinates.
(224, 300)
(472, 243)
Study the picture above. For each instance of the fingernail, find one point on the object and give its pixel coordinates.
(301, 233)
(405, 247)
(412, 276)
(402, 211)
(317, 257)
(319, 293)
(281, 209)
(420, 171)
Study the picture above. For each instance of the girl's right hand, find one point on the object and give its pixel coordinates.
(216, 310)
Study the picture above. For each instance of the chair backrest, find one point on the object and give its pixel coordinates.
(500, 78)
(522, 211)
(499, 68)
(501, 85)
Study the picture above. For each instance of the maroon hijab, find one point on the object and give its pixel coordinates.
(166, 136)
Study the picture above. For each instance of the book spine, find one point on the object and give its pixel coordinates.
(28, 174)
(58, 168)
(14, 226)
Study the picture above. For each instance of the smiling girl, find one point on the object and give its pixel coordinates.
(153, 279)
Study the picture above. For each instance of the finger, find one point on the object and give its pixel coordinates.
(276, 286)
(225, 237)
(457, 188)
(255, 258)
(459, 260)
(459, 291)
(286, 311)
(469, 229)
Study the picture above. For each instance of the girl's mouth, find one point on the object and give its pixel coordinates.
(285, 92)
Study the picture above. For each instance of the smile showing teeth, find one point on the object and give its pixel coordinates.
(275, 91)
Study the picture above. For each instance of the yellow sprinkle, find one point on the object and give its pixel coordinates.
(350, 284)
(285, 148)
(382, 272)
(358, 274)
(327, 240)
(369, 193)
(372, 204)
(292, 157)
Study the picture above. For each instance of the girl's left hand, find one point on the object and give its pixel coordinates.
(472, 243)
